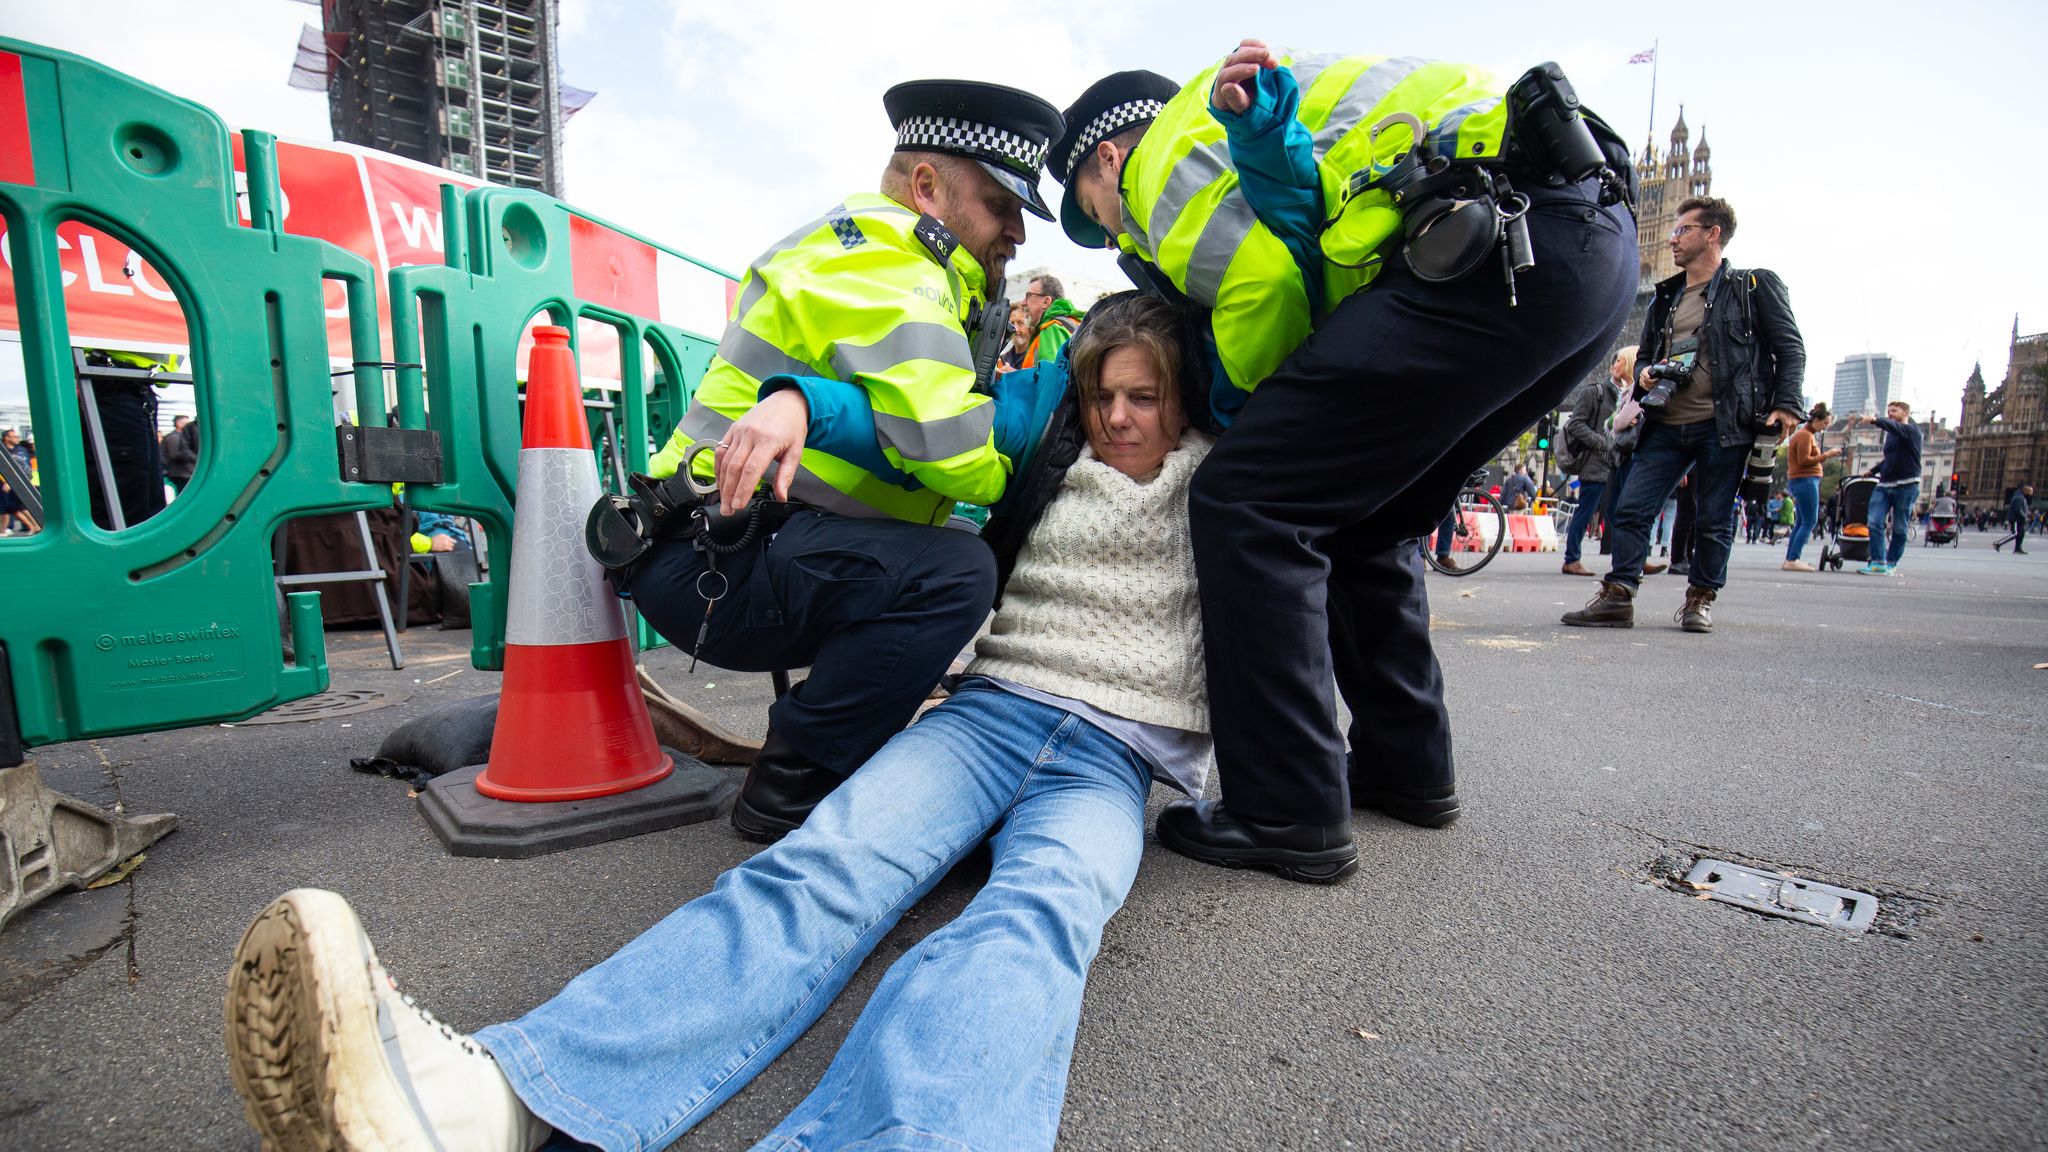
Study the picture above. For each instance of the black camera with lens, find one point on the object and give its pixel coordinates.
(1667, 377)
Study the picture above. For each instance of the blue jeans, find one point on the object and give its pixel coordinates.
(1582, 515)
(1805, 492)
(966, 1042)
(1896, 502)
(1662, 456)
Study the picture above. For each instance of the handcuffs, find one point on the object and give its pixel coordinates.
(1452, 218)
(621, 527)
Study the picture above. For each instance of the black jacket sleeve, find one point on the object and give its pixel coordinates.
(1785, 390)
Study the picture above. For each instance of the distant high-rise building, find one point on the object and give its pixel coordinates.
(1866, 382)
(467, 85)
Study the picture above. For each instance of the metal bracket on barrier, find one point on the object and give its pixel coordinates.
(386, 455)
(50, 841)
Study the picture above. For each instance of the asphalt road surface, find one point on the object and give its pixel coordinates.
(1532, 977)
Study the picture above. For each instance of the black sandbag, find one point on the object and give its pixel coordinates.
(449, 737)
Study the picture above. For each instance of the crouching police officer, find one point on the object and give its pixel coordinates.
(845, 569)
(1406, 263)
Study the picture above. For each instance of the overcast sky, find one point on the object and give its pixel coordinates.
(1868, 148)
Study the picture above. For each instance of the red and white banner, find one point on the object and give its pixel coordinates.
(386, 209)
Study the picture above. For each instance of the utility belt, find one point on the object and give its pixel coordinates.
(1458, 212)
(621, 528)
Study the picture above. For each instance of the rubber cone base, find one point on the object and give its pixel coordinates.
(469, 823)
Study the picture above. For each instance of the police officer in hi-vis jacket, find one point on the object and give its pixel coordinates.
(1406, 262)
(846, 570)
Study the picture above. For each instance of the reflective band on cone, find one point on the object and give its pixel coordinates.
(572, 723)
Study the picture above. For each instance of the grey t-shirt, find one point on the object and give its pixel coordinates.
(1694, 400)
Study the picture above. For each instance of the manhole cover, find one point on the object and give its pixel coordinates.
(329, 704)
(1777, 894)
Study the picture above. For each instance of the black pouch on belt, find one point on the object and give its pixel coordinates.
(621, 528)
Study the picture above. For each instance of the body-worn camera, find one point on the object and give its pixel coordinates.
(1667, 377)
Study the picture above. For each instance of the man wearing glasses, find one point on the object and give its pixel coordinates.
(1726, 339)
(1053, 318)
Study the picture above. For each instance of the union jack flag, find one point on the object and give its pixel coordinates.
(1647, 56)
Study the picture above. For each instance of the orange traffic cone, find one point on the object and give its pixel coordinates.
(573, 748)
(572, 723)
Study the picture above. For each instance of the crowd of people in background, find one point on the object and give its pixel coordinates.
(1603, 420)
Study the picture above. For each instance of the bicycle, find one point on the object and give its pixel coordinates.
(1473, 510)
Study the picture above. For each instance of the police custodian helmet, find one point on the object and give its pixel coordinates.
(1004, 130)
(1112, 104)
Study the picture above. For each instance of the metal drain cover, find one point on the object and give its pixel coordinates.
(329, 704)
(1777, 894)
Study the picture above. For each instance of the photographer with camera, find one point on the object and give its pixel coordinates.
(1721, 389)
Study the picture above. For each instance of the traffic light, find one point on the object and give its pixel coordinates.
(1544, 428)
(1955, 484)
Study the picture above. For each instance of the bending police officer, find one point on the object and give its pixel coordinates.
(1365, 373)
(854, 579)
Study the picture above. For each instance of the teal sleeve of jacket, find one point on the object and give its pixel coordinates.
(1276, 170)
(842, 425)
(843, 422)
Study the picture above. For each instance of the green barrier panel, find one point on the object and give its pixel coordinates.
(172, 622)
(515, 255)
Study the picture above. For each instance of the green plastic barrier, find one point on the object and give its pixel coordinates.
(172, 622)
(516, 255)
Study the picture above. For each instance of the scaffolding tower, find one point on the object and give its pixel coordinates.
(467, 85)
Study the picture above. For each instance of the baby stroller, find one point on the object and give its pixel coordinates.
(1943, 525)
(1852, 533)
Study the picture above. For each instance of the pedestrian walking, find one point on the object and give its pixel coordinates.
(2017, 513)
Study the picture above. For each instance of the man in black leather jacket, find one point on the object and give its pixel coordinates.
(1729, 337)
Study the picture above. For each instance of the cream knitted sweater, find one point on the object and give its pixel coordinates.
(1101, 607)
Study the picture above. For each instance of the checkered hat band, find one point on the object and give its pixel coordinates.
(955, 135)
(1110, 123)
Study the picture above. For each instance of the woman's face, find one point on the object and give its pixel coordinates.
(1137, 418)
(1618, 371)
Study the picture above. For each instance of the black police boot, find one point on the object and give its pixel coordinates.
(1307, 853)
(1431, 806)
(781, 789)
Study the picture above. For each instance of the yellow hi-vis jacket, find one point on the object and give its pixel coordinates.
(1183, 210)
(856, 296)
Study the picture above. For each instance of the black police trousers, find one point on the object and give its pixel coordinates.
(1306, 513)
(127, 413)
(876, 609)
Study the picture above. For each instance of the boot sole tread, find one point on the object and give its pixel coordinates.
(302, 1039)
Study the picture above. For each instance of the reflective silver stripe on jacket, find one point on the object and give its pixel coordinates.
(702, 422)
(558, 593)
(1221, 237)
(919, 340)
(755, 356)
(929, 440)
(1195, 171)
(811, 489)
(1369, 89)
